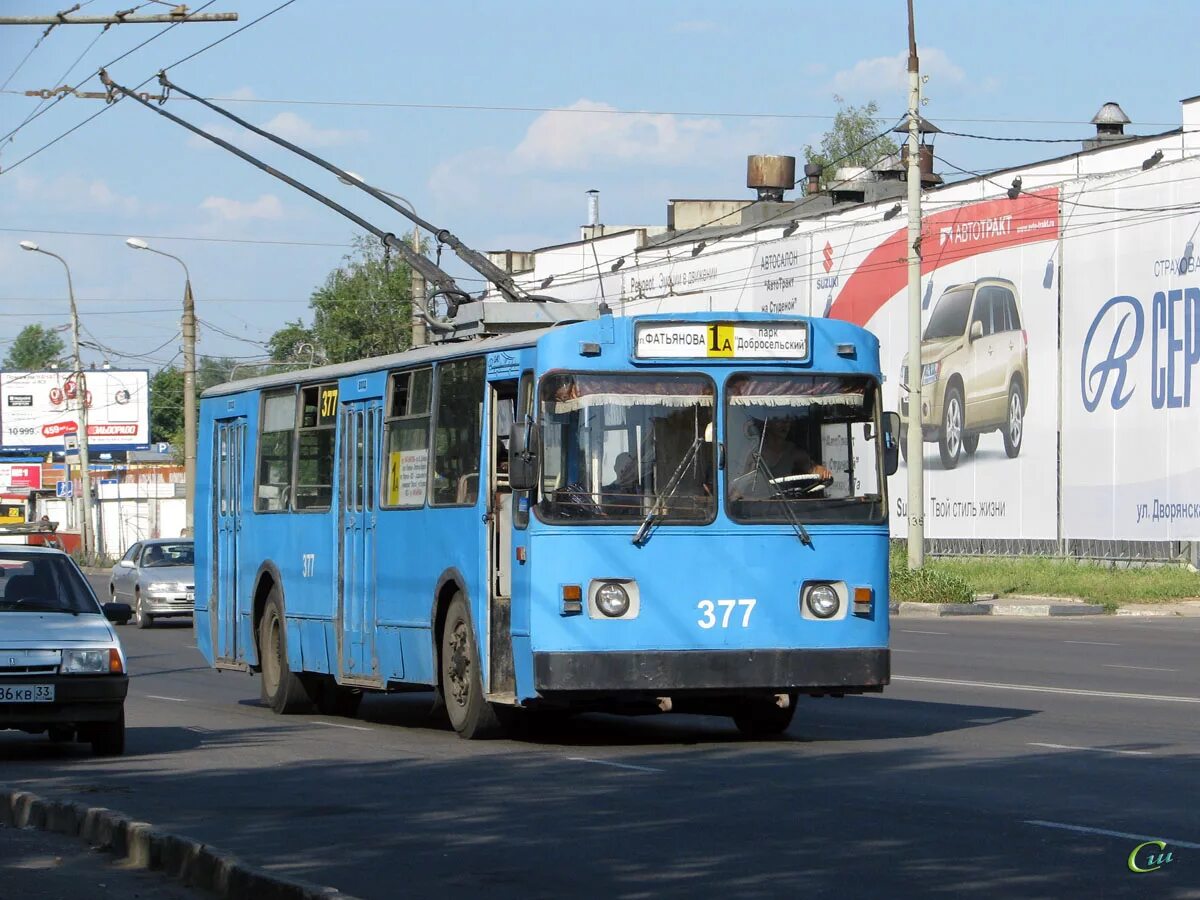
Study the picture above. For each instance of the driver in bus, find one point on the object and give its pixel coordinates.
(781, 455)
(625, 491)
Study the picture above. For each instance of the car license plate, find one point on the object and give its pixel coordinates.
(26, 693)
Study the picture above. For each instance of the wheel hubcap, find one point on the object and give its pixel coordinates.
(953, 427)
(1014, 420)
(458, 665)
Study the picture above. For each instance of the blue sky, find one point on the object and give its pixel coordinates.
(499, 178)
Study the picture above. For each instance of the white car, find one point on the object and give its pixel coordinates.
(62, 669)
(156, 578)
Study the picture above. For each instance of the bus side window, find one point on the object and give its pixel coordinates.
(523, 499)
(406, 444)
(275, 442)
(458, 434)
(314, 456)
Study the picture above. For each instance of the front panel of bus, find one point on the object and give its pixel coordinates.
(710, 513)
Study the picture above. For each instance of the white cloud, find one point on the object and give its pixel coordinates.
(694, 26)
(586, 132)
(71, 193)
(286, 125)
(890, 73)
(300, 131)
(267, 206)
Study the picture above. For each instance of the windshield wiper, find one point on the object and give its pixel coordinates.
(761, 466)
(643, 532)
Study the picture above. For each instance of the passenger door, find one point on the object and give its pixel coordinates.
(358, 499)
(981, 391)
(501, 681)
(229, 444)
(124, 573)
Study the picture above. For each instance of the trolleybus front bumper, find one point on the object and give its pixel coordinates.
(668, 671)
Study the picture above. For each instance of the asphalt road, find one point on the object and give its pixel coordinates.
(1008, 758)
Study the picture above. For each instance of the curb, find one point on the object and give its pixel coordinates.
(918, 610)
(1001, 608)
(145, 847)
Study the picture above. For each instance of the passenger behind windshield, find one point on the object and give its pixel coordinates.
(42, 583)
(611, 445)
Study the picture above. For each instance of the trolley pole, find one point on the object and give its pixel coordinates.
(916, 444)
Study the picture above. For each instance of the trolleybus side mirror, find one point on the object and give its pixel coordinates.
(891, 443)
(522, 455)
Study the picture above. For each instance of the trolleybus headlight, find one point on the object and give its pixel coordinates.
(822, 601)
(612, 600)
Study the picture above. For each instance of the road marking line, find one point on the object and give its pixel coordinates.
(615, 765)
(340, 725)
(1038, 689)
(1092, 749)
(898, 650)
(1094, 643)
(172, 699)
(913, 631)
(1106, 832)
(1140, 668)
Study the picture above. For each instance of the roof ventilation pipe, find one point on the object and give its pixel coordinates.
(770, 175)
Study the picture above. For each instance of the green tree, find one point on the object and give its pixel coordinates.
(363, 309)
(166, 404)
(848, 142)
(35, 348)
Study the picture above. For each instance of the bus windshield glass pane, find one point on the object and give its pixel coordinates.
(613, 444)
(808, 441)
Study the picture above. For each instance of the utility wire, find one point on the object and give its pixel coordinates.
(190, 56)
(43, 108)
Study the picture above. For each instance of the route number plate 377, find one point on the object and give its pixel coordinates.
(26, 693)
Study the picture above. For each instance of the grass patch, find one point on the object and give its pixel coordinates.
(1107, 585)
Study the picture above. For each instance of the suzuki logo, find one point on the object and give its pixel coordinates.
(828, 254)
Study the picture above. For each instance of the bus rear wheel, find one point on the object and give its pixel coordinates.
(462, 686)
(763, 716)
(282, 689)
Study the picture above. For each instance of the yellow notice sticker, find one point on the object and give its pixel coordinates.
(393, 482)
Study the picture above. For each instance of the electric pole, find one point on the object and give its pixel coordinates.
(81, 392)
(916, 440)
(417, 284)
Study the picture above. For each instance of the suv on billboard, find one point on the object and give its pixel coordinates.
(974, 370)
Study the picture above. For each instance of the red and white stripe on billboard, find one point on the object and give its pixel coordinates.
(946, 237)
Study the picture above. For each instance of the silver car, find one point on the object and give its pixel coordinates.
(62, 669)
(156, 578)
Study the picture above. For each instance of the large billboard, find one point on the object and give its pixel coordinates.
(38, 410)
(1131, 360)
(989, 356)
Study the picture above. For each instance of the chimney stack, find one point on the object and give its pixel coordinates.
(1110, 124)
(770, 175)
(593, 208)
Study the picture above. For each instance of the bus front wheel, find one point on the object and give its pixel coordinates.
(763, 716)
(462, 685)
(282, 689)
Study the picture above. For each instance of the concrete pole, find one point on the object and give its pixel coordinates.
(188, 329)
(419, 338)
(916, 443)
(189, 404)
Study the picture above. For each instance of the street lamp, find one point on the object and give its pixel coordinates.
(417, 292)
(85, 481)
(189, 380)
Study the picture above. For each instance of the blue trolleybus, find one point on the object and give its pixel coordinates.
(683, 512)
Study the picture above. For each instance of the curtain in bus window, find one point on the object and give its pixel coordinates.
(459, 436)
(620, 446)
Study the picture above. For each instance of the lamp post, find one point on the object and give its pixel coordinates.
(189, 381)
(417, 281)
(81, 391)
